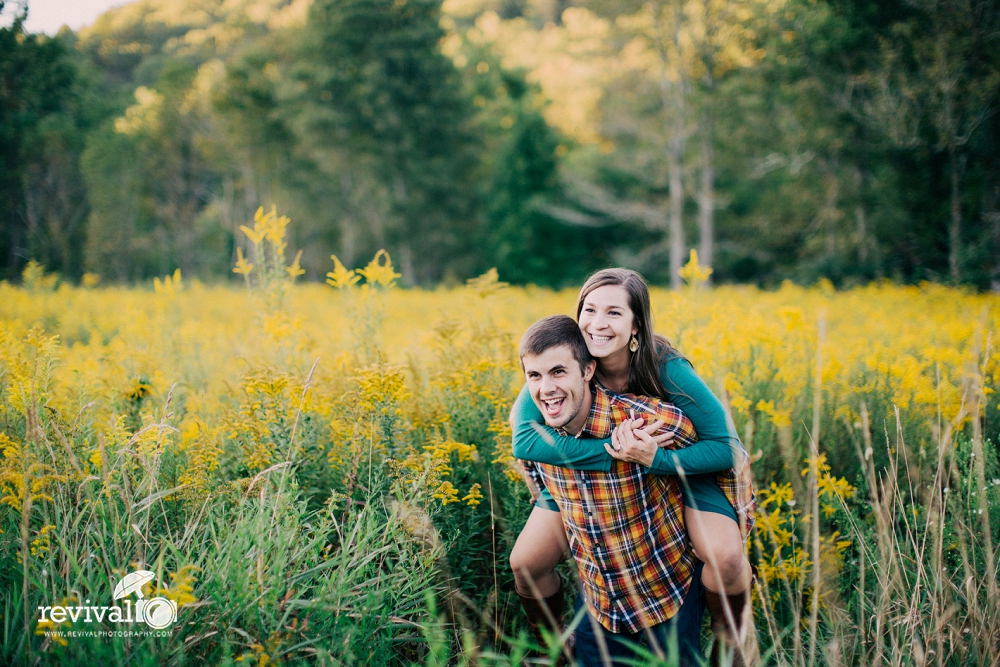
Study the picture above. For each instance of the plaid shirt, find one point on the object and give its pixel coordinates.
(736, 483)
(625, 527)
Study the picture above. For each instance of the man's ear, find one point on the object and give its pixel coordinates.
(588, 372)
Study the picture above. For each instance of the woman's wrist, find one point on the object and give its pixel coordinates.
(647, 457)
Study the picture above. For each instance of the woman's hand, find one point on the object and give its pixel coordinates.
(664, 439)
(631, 443)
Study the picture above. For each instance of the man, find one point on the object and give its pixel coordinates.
(625, 527)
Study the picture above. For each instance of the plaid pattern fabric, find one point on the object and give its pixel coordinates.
(625, 527)
(736, 483)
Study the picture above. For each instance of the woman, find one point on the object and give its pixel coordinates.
(613, 312)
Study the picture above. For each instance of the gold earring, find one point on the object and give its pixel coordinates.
(633, 344)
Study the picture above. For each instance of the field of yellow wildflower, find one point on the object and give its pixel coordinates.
(322, 473)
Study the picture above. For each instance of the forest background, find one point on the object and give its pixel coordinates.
(321, 473)
(790, 139)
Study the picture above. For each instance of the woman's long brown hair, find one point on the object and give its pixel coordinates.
(644, 367)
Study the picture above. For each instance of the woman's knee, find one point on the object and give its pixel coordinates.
(728, 559)
(525, 561)
(518, 561)
(529, 577)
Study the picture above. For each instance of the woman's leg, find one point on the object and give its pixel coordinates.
(727, 577)
(719, 545)
(540, 547)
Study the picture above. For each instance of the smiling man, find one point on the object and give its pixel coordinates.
(625, 527)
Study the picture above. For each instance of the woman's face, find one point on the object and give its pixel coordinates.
(606, 321)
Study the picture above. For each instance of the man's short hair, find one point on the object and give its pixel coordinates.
(554, 331)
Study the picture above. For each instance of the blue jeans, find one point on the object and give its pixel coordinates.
(684, 630)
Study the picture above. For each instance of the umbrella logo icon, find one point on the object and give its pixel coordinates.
(157, 612)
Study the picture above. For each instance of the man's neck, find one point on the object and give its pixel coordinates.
(575, 426)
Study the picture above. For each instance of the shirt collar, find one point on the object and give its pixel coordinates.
(600, 407)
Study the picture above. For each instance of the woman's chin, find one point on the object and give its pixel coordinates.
(604, 353)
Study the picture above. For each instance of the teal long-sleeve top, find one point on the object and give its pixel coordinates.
(715, 450)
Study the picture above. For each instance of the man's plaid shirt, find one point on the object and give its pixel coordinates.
(736, 482)
(626, 527)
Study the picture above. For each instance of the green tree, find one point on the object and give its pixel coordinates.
(394, 104)
(43, 117)
(935, 82)
(525, 241)
(118, 227)
(151, 186)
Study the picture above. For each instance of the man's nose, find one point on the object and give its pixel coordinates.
(548, 385)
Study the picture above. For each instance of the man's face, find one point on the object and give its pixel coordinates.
(558, 387)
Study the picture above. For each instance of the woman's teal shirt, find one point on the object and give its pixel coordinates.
(715, 450)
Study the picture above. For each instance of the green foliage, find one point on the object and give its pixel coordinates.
(527, 245)
(391, 98)
(42, 124)
(855, 141)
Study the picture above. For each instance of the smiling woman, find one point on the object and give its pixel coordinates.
(613, 310)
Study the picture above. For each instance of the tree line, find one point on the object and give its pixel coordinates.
(788, 139)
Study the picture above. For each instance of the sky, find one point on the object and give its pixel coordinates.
(49, 15)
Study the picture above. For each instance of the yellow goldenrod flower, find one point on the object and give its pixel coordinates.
(181, 587)
(693, 273)
(474, 496)
(446, 493)
(295, 270)
(340, 277)
(379, 271)
(243, 267)
(256, 235)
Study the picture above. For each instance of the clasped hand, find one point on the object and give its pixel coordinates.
(637, 443)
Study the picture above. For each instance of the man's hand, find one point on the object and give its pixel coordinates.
(630, 442)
